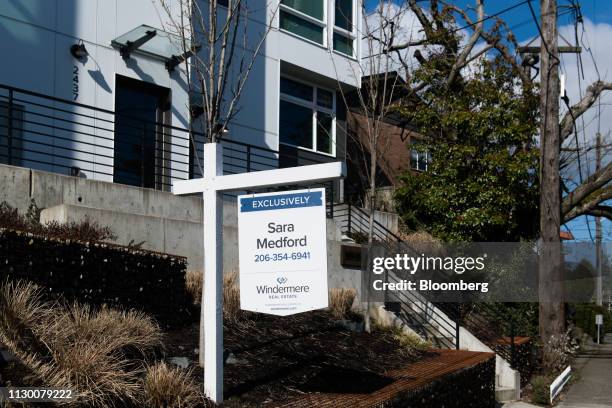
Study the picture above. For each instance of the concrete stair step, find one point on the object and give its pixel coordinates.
(506, 394)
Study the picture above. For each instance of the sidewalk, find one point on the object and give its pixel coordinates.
(593, 388)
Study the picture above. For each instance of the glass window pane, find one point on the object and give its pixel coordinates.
(324, 133)
(343, 44)
(414, 160)
(295, 124)
(296, 89)
(314, 8)
(422, 162)
(301, 27)
(344, 14)
(325, 98)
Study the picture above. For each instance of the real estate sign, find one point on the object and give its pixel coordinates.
(283, 251)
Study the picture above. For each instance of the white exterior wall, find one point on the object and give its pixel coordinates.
(257, 120)
(35, 38)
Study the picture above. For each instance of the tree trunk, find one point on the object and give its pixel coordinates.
(373, 155)
(552, 308)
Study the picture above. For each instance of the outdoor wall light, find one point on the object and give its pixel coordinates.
(196, 111)
(78, 50)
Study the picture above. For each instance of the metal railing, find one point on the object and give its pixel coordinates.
(52, 134)
(354, 221)
(414, 309)
(436, 321)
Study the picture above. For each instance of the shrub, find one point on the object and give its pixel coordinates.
(166, 386)
(358, 236)
(85, 230)
(76, 347)
(540, 390)
(560, 350)
(422, 242)
(584, 318)
(340, 301)
(100, 273)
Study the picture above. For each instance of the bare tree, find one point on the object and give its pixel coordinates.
(223, 45)
(222, 48)
(371, 103)
(588, 197)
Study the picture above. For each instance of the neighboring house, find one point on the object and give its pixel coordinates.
(396, 156)
(75, 100)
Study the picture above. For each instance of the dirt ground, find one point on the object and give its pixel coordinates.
(274, 359)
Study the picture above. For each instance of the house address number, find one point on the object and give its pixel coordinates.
(75, 82)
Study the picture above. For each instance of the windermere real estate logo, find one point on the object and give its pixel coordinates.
(283, 251)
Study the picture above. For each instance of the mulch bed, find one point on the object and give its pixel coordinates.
(278, 359)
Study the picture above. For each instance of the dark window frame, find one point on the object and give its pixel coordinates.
(16, 155)
(316, 109)
(161, 143)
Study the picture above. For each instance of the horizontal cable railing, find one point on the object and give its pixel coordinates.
(52, 134)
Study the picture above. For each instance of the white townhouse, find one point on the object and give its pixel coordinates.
(90, 88)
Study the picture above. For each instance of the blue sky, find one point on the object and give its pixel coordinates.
(598, 11)
(598, 33)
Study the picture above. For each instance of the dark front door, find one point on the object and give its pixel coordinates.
(140, 111)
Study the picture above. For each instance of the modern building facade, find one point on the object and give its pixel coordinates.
(89, 88)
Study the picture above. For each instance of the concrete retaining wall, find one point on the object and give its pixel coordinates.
(165, 222)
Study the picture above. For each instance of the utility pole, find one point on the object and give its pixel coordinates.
(552, 306)
(598, 262)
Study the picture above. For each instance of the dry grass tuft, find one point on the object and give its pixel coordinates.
(193, 284)
(126, 332)
(166, 386)
(231, 293)
(231, 297)
(75, 347)
(409, 343)
(341, 301)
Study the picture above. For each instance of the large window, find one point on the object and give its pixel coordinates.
(305, 18)
(309, 19)
(307, 116)
(344, 30)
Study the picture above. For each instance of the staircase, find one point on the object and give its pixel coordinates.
(473, 326)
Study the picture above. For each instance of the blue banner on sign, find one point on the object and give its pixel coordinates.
(281, 201)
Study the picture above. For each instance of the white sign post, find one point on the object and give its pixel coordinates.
(283, 252)
(212, 187)
(599, 323)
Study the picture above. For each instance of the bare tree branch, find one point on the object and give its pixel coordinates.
(592, 93)
(601, 211)
(591, 207)
(586, 195)
(462, 59)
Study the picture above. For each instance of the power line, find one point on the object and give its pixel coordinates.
(502, 30)
(499, 13)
